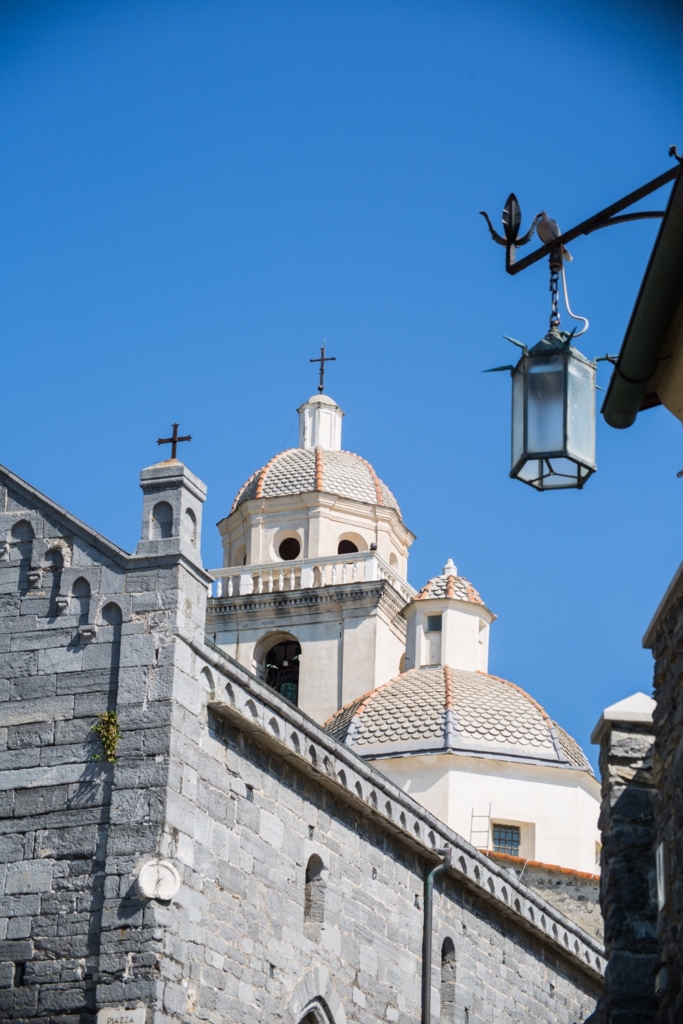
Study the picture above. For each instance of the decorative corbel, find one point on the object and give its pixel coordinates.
(87, 633)
(34, 576)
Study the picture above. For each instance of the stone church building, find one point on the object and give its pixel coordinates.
(222, 791)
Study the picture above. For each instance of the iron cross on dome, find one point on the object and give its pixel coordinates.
(322, 360)
(174, 441)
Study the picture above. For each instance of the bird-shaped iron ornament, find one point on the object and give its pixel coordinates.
(548, 230)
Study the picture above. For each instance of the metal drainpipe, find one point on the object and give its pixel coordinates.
(447, 853)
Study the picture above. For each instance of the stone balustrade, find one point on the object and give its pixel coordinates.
(303, 573)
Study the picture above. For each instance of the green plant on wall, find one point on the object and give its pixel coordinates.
(107, 729)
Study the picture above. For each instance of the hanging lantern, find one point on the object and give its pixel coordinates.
(553, 414)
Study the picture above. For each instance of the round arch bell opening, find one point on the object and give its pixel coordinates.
(553, 414)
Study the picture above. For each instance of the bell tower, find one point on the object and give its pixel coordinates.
(315, 558)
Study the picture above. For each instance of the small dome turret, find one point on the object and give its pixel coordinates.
(448, 624)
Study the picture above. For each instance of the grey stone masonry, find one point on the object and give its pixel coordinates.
(575, 893)
(295, 794)
(295, 868)
(627, 884)
(84, 629)
(665, 638)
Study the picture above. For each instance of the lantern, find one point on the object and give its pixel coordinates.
(553, 415)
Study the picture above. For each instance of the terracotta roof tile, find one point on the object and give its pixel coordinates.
(301, 470)
(447, 708)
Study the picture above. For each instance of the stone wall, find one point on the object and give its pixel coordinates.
(627, 883)
(574, 893)
(84, 629)
(666, 639)
(294, 793)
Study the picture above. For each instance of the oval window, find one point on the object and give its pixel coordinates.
(289, 549)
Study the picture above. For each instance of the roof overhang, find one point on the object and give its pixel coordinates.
(649, 368)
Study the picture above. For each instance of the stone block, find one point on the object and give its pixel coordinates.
(49, 709)
(28, 877)
(26, 737)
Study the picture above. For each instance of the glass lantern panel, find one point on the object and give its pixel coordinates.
(581, 412)
(530, 471)
(560, 473)
(545, 404)
(517, 415)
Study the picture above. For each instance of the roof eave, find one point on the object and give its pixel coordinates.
(651, 320)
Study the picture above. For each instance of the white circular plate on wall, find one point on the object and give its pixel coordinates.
(158, 880)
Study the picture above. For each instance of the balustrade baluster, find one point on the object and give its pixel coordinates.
(281, 580)
(344, 568)
(354, 572)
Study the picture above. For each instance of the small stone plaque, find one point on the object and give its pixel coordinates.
(118, 1015)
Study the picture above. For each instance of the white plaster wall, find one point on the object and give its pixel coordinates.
(343, 653)
(320, 520)
(464, 638)
(559, 807)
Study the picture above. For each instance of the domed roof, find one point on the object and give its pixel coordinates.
(449, 584)
(300, 470)
(442, 710)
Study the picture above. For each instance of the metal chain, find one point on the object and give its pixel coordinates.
(555, 268)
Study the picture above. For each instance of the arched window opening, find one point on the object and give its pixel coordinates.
(54, 563)
(162, 521)
(112, 618)
(314, 892)
(317, 1012)
(22, 532)
(347, 547)
(289, 549)
(190, 526)
(81, 600)
(22, 540)
(448, 981)
(282, 669)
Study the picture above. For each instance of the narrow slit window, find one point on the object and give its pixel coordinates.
(506, 839)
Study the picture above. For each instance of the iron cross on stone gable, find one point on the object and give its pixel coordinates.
(322, 360)
(174, 441)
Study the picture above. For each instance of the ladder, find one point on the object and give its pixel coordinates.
(483, 830)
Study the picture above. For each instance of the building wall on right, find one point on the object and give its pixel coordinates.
(665, 637)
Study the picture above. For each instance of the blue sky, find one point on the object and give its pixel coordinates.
(193, 194)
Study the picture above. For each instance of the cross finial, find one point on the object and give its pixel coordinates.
(174, 440)
(322, 360)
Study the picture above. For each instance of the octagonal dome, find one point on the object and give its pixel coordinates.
(442, 710)
(301, 470)
(449, 584)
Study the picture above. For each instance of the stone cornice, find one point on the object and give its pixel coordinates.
(373, 592)
(274, 723)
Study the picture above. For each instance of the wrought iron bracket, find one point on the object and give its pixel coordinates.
(512, 221)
